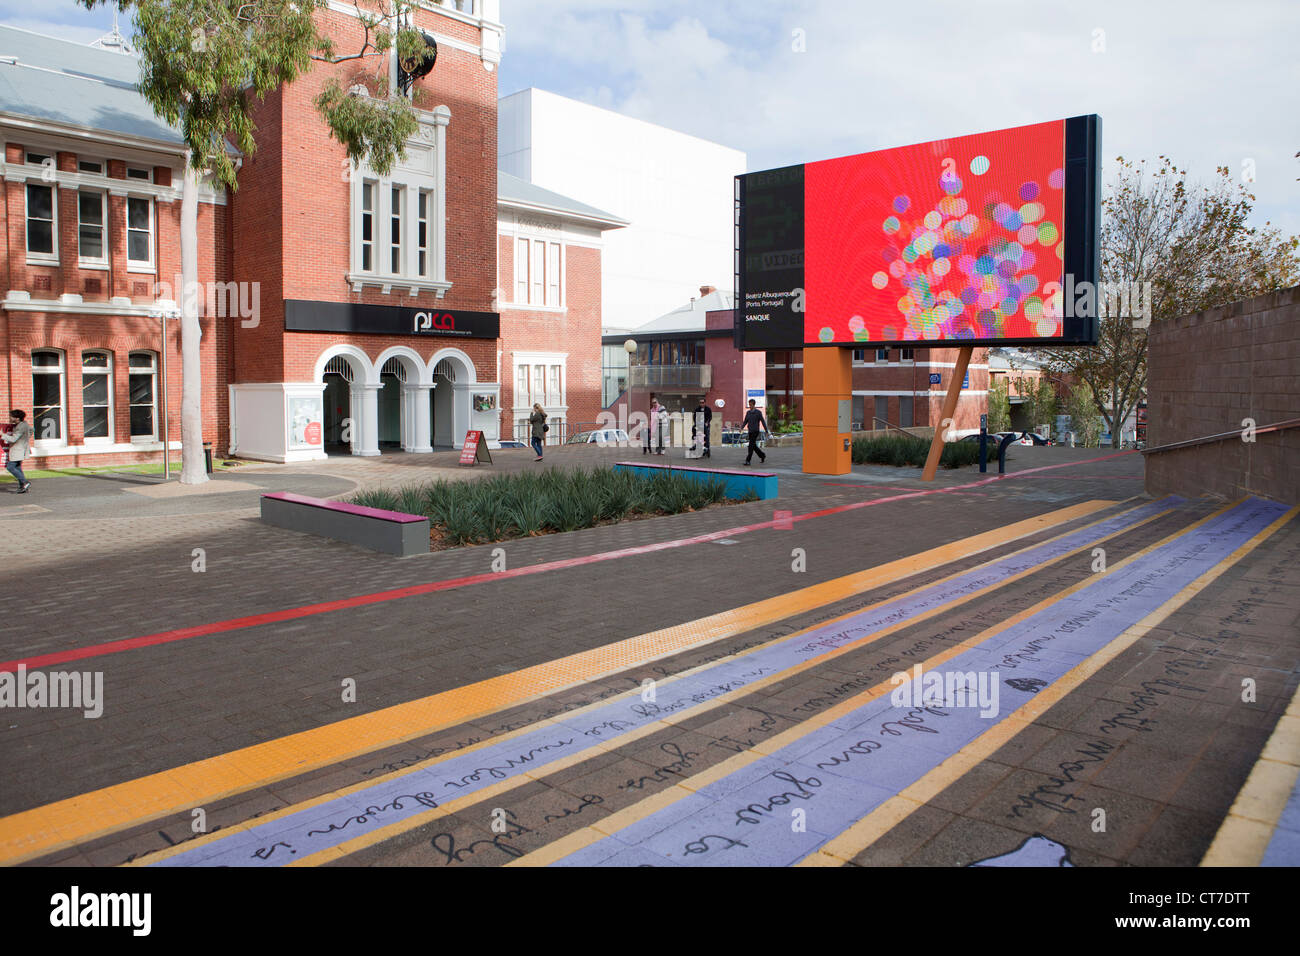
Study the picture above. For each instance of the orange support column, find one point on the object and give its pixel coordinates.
(827, 409)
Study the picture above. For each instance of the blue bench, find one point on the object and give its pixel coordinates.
(389, 531)
(738, 482)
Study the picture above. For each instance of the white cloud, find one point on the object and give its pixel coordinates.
(1207, 84)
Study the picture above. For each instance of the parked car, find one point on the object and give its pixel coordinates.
(494, 445)
(600, 436)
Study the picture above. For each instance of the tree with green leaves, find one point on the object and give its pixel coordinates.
(1195, 246)
(205, 65)
(999, 405)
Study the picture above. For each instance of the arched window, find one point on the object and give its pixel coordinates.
(49, 418)
(144, 396)
(97, 396)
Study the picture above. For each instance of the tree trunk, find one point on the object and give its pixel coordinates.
(193, 471)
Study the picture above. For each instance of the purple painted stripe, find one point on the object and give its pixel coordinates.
(840, 772)
(361, 510)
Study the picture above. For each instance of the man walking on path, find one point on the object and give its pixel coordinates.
(18, 437)
(655, 436)
(707, 412)
(755, 422)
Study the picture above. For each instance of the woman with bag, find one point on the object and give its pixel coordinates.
(538, 420)
(18, 438)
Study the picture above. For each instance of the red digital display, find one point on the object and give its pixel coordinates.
(957, 240)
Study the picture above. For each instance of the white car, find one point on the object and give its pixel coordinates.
(600, 436)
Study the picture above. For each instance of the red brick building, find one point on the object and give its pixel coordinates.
(344, 311)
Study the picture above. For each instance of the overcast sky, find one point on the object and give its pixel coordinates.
(1209, 84)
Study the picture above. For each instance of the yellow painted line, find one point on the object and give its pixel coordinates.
(874, 825)
(380, 834)
(617, 821)
(1245, 833)
(73, 821)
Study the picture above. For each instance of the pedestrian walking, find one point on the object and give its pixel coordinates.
(538, 420)
(755, 423)
(18, 437)
(703, 407)
(655, 435)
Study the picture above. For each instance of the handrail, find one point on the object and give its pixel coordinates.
(1221, 436)
(896, 428)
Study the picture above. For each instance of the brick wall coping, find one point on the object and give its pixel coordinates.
(361, 510)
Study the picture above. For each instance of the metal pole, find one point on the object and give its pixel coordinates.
(162, 401)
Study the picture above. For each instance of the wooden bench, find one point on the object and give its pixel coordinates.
(738, 482)
(389, 531)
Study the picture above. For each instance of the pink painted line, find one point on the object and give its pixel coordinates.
(394, 594)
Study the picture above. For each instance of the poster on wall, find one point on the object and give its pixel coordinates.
(987, 239)
(485, 403)
(305, 416)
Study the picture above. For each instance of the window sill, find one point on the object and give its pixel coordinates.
(91, 264)
(524, 307)
(34, 260)
(141, 269)
(388, 283)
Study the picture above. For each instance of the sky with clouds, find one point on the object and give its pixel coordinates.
(1208, 83)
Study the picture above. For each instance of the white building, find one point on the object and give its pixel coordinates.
(675, 189)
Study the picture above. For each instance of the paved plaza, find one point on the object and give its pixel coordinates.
(1116, 676)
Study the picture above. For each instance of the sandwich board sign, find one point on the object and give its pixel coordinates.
(475, 449)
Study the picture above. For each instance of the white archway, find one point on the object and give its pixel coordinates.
(452, 374)
(355, 421)
(403, 398)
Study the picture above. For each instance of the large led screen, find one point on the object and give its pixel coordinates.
(977, 240)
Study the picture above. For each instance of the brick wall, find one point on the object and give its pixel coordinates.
(576, 331)
(1206, 373)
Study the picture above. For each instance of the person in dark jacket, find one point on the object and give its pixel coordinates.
(538, 420)
(755, 423)
(708, 418)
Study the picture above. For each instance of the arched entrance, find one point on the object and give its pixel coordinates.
(449, 412)
(400, 401)
(339, 411)
(348, 401)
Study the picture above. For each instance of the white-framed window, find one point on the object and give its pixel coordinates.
(397, 197)
(397, 225)
(521, 270)
(368, 190)
(907, 355)
(139, 233)
(97, 396)
(92, 217)
(37, 159)
(521, 386)
(49, 389)
(143, 385)
(539, 273)
(859, 355)
(538, 386)
(424, 233)
(537, 268)
(553, 273)
(42, 223)
(554, 393)
(92, 166)
(142, 173)
(882, 355)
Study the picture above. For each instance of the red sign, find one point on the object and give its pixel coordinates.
(475, 449)
(469, 453)
(311, 434)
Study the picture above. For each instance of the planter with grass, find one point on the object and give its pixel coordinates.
(525, 504)
(911, 452)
